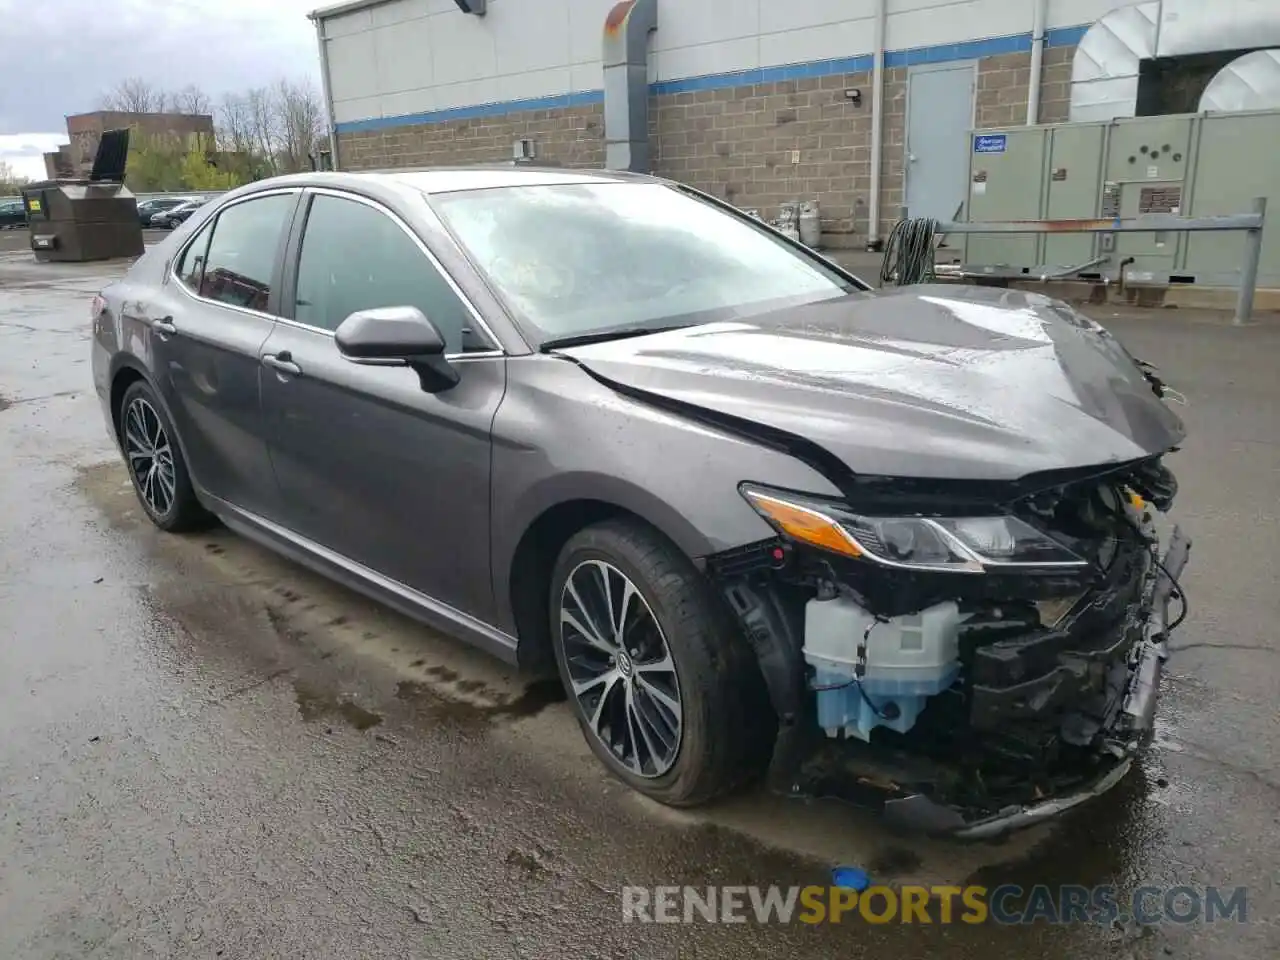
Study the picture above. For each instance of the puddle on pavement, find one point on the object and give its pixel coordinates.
(314, 705)
(435, 697)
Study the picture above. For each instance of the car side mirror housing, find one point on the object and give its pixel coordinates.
(397, 337)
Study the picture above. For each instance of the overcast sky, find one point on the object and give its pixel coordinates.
(61, 56)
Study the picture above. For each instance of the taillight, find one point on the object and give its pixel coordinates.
(98, 307)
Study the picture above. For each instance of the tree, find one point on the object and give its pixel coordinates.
(299, 122)
(10, 182)
(192, 100)
(262, 128)
(135, 95)
(197, 173)
(260, 132)
(234, 123)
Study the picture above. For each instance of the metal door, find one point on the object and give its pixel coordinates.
(380, 472)
(369, 464)
(939, 118)
(208, 322)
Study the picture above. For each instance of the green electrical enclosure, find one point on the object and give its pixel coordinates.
(1189, 165)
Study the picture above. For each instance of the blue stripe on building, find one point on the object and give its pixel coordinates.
(943, 53)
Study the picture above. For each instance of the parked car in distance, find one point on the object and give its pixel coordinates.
(758, 516)
(13, 213)
(176, 216)
(151, 206)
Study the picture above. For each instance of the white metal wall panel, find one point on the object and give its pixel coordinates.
(1074, 13)
(924, 23)
(414, 56)
(831, 41)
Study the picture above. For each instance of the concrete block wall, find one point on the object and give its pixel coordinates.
(1004, 84)
(737, 142)
(569, 136)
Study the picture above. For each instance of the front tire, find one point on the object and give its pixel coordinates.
(155, 463)
(667, 692)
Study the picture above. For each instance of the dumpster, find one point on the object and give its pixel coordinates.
(96, 218)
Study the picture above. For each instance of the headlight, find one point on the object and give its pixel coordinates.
(948, 544)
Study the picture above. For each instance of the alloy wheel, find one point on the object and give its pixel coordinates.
(620, 668)
(150, 456)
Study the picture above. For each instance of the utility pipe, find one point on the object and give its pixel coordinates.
(1037, 61)
(877, 127)
(326, 90)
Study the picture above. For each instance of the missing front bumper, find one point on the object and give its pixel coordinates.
(1123, 741)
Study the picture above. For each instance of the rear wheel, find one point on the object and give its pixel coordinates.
(151, 452)
(668, 694)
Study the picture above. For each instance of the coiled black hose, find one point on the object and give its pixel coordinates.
(909, 254)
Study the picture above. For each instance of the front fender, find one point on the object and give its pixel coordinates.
(561, 436)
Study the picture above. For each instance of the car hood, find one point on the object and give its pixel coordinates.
(928, 381)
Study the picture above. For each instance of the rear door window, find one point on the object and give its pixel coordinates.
(242, 252)
(190, 266)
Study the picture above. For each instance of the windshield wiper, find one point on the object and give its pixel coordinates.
(604, 336)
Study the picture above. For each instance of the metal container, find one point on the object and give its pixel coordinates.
(789, 219)
(810, 224)
(90, 219)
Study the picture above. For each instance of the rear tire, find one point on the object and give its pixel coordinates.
(154, 460)
(708, 705)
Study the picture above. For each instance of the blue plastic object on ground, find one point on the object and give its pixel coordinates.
(850, 878)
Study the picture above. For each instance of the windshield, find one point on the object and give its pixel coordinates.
(582, 259)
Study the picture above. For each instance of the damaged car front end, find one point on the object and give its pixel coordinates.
(967, 628)
(974, 657)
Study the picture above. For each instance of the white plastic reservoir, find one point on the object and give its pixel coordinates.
(908, 659)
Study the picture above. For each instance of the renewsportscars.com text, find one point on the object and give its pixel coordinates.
(1008, 904)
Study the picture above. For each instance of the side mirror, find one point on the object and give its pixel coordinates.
(397, 337)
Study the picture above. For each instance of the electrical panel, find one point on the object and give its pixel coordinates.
(1075, 167)
(1004, 184)
(1148, 158)
(1235, 162)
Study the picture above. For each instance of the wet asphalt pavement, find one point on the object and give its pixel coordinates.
(208, 752)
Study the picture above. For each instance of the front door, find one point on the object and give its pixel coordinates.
(370, 465)
(939, 118)
(208, 324)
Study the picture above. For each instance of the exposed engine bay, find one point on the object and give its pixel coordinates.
(982, 659)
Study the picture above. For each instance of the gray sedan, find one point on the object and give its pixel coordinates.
(758, 517)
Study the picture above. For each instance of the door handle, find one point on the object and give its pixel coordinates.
(283, 362)
(164, 325)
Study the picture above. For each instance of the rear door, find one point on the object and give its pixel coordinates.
(371, 466)
(217, 308)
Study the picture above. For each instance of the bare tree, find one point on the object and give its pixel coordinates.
(299, 122)
(264, 130)
(191, 99)
(234, 122)
(9, 179)
(135, 95)
(262, 127)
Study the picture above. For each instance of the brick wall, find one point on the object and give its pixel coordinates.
(572, 137)
(1005, 81)
(739, 143)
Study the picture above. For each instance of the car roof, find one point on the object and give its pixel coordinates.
(452, 179)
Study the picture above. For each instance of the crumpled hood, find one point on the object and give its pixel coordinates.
(928, 381)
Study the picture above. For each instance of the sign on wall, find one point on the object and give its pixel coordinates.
(990, 143)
